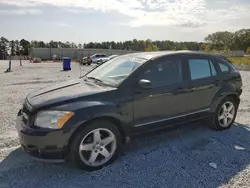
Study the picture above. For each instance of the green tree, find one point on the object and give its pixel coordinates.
(17, 47)
(155, 48)
(248, 51)
(151, 47)
(148, 48)
(166, 45)
(34, 44)
(207, 49)
(185, 47)
(241, 39)
(3, 48)
(25, 45)
(12, 48)
(220, 40)
(79, 46)
(41, 44)
(203, 47)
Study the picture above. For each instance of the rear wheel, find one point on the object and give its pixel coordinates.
(225, 114)
(96, 146)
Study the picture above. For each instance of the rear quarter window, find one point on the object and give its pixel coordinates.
(223, 67)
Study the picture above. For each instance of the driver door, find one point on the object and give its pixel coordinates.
(167, 99)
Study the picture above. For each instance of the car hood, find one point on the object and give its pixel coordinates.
(64, 92)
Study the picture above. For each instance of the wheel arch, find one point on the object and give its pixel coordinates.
(217, 100)
(111, 119)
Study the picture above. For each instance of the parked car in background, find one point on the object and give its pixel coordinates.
(96, 58)
(85, 61)
(36, 60)
(89, 120)
(104, 59)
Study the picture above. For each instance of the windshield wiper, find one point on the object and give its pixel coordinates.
(99, 81)
(94, 78)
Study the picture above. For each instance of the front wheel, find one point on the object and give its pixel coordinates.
(96, 146)
(225, 114)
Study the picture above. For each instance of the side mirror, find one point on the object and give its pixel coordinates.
(145, 84)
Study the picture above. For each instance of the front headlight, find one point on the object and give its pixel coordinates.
(52, 119)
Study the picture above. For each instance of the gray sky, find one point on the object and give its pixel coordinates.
(119, 20)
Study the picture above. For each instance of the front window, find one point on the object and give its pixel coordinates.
(165, 72)
(114, 71)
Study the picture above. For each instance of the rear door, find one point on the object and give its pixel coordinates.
(203, 83)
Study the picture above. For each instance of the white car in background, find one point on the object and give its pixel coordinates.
(97, 58)
(102, 60)
(93, 59)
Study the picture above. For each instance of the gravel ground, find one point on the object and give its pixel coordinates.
(185, 156)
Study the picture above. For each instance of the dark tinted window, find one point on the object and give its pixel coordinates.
(201, 68)
(164, 73)
(223, 67)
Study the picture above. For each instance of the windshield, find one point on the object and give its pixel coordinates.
(113, 72)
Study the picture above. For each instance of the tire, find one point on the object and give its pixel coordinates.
(218, 120)
(81, 158)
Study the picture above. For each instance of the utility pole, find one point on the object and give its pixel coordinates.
(10, 64)
(20, 61)
(9, 69)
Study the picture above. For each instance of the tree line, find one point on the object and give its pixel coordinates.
(239, 40)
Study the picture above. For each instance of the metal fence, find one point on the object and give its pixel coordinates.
(49, 53)
(236, 53)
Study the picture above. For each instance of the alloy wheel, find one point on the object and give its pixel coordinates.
(226, 114)
(97, 147)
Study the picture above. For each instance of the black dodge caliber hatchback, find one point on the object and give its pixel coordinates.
(88, 120)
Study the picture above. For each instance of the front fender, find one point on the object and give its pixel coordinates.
(85, 111)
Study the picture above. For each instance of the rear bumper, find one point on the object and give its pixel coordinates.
(43, 144)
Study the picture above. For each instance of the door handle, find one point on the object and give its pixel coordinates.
(217, 82)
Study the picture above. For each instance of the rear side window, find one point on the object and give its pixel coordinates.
(224, 68)
(201, 68)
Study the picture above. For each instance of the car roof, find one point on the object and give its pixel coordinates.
(153, 55)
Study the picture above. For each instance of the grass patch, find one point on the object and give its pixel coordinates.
(240, 60)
